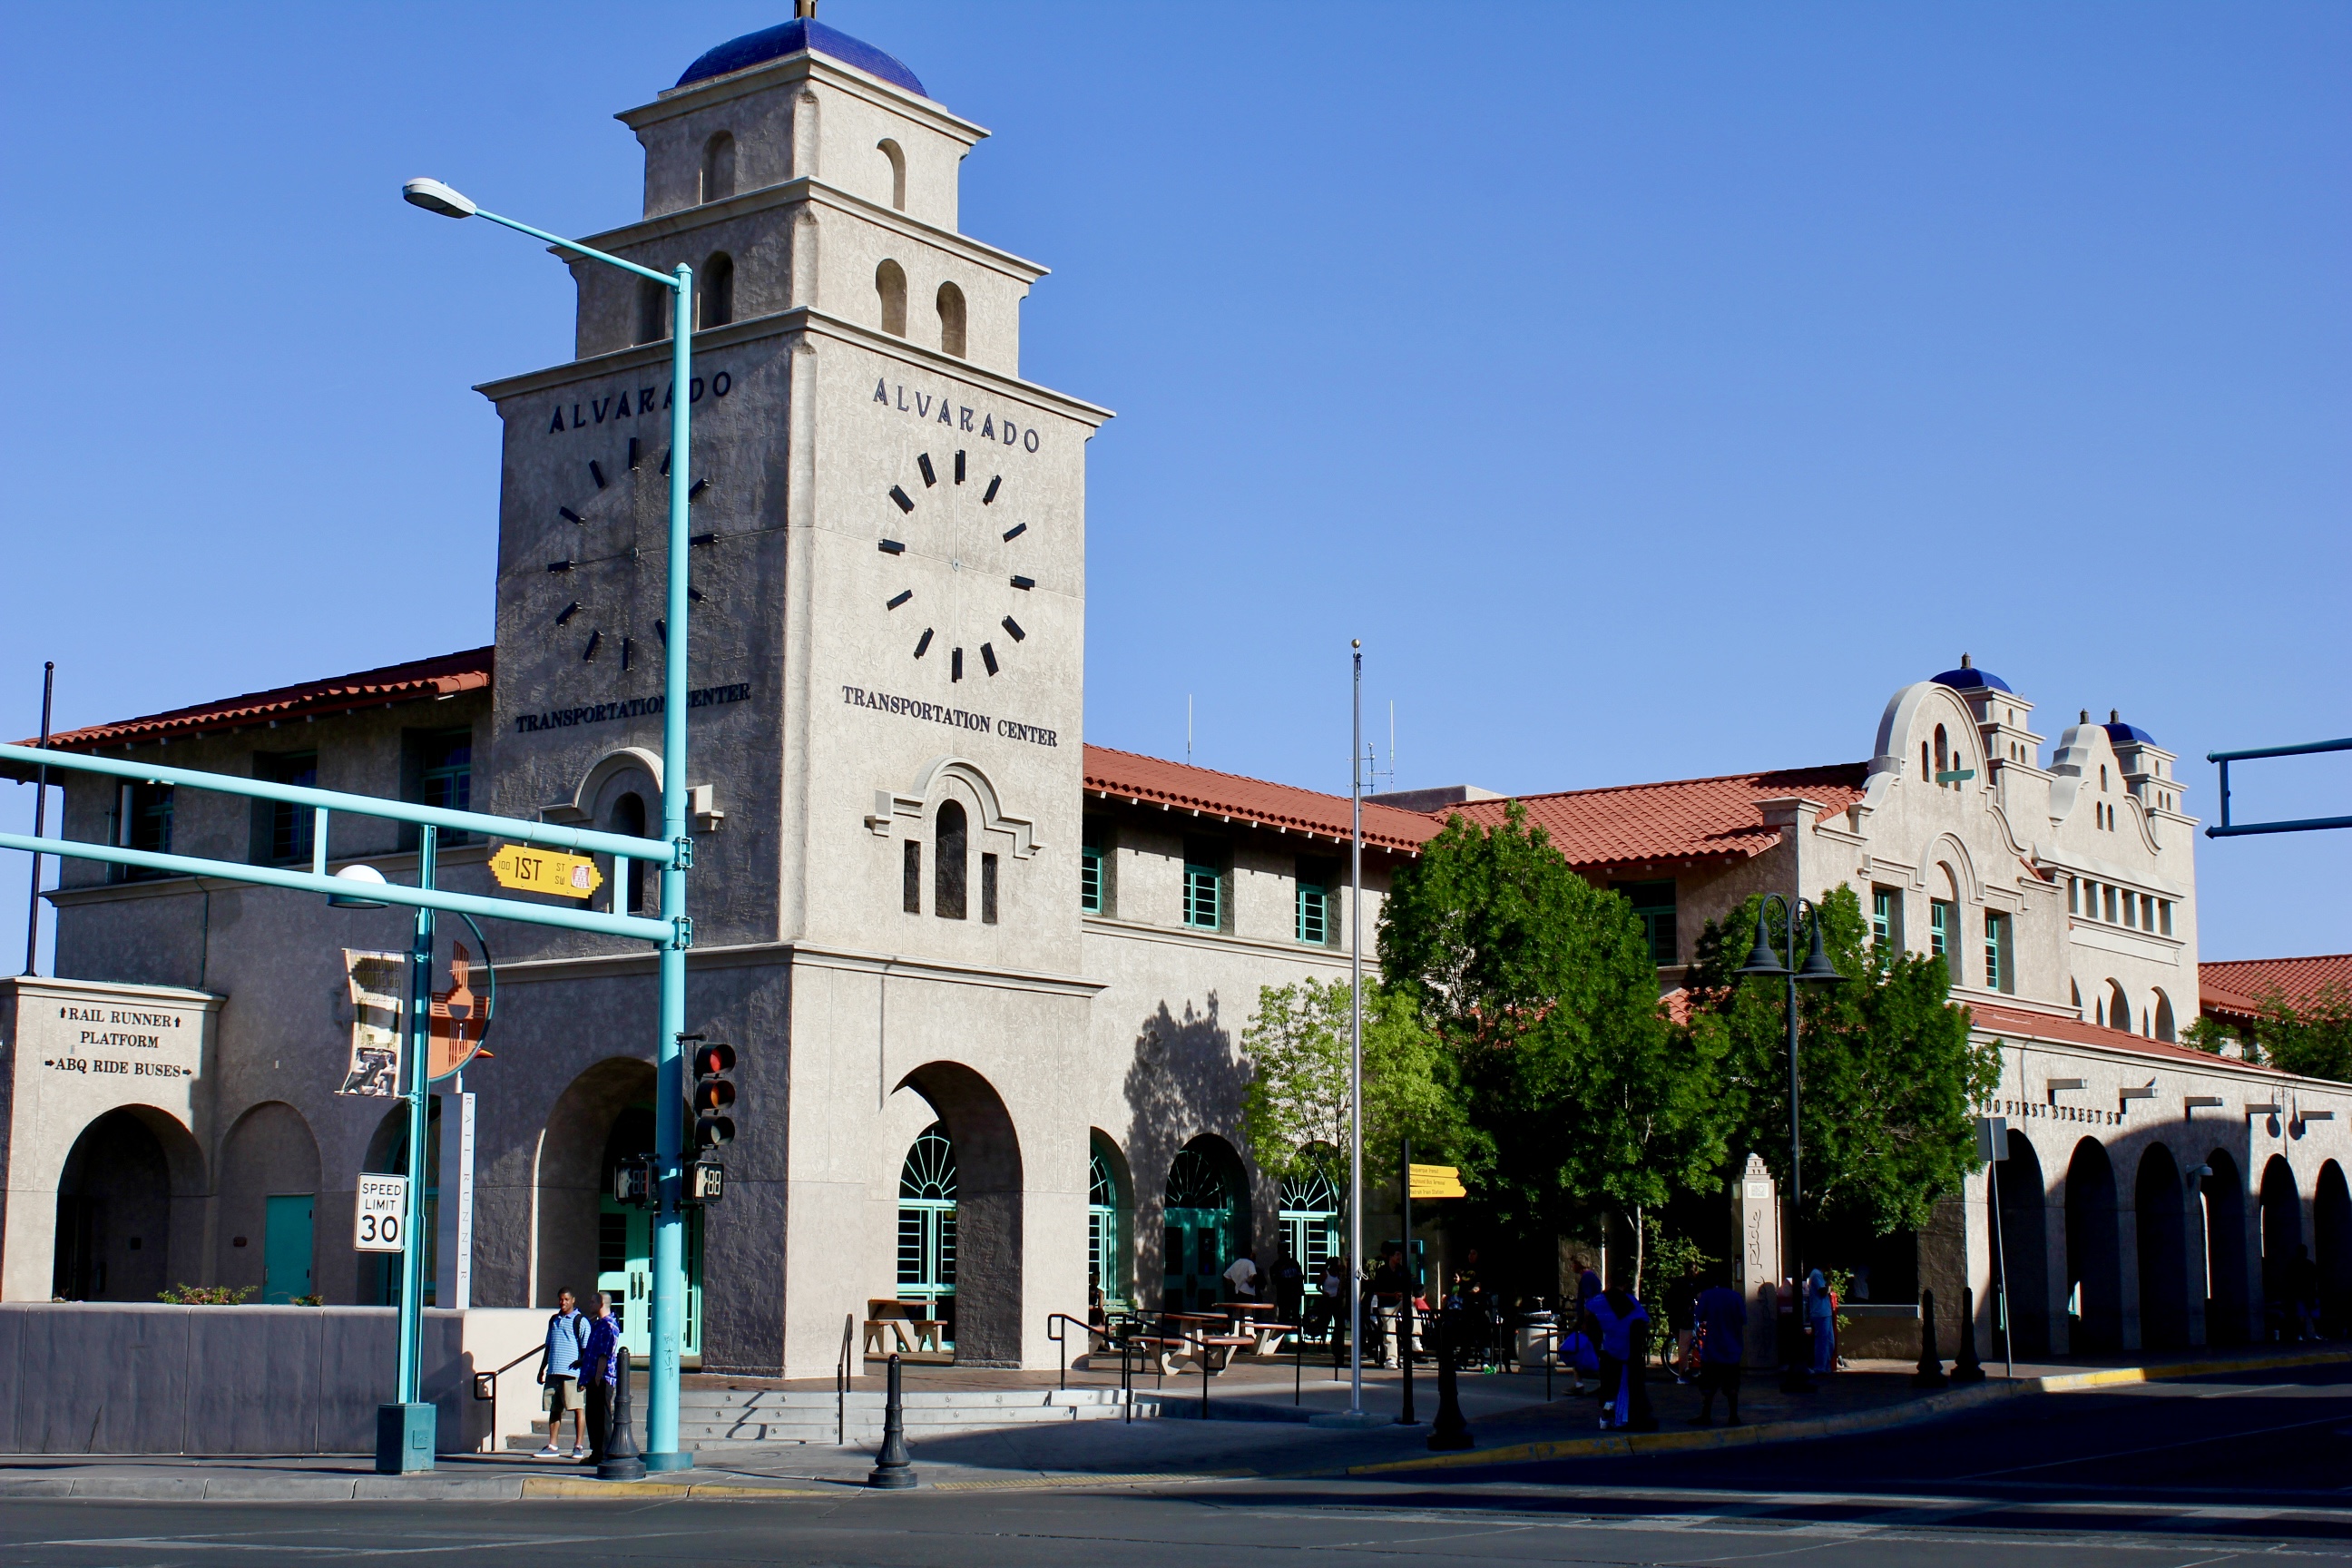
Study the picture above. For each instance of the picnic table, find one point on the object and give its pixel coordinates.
(1256, 1319)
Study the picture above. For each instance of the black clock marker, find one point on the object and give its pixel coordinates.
(992, 490)
(693, 593)
(665, 463)
(568, 515)
(559, 565)
(596, 472)
(924, 463)
(566, 613)
(624, 653)
(891, 547)
(987, 657)
(904, 595)
(955, 668)
(1025, 583)
(696, 489)
(661, 630)
(695, 539)
(959, 467)
(1015, 532)
(634, 451)
(925, 644)
(1013, 626)
(906, 503)
(593, 639)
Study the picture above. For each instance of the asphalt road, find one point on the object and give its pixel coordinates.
(2164, 1476)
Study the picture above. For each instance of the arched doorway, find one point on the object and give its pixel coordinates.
(2024, 1255)
(122, 1181)
(2093, 1264)
(588, 1239)
(1110, 1223)
(2283, 1253)
(380, 1276)
(2163, 1253)
(269, 1204)
(2332, 1239)
(2223, 1193)
(927, 1227)
(988, 1284)
(1310, 1220)
(1204, 1219)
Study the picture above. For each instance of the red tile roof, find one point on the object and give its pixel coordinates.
(2001, 1020)
(2238, 987)
(1130, 776)
(1714, 819)
(445, 676)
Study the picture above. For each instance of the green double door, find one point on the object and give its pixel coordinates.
(625, 1271)
(1198, 1249)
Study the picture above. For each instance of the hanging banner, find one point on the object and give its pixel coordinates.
(375, 980)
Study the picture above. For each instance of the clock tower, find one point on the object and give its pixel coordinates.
(888, 578)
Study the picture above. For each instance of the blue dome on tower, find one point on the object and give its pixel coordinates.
(1969, 677)
(2124, 735)
(802, 35)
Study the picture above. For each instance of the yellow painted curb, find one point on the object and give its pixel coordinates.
(582, 1487)
(1622, 1444)
(1141, 1479)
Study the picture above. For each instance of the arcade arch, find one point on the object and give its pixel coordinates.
(987, 1167)
(2158, 1217)
(2331, 1223)
(130, 1197)
(2024, 1241)
(2283, 1253)
(2223, 1193)
(2093, 1268)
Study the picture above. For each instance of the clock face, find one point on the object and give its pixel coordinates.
(954, 527)
(616, 528)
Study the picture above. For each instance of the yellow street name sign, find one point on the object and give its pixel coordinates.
(1437, 1181)
(545, 871)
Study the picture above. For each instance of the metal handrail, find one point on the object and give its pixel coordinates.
(841, 1385)
(1063, 1341)
(485, 1387)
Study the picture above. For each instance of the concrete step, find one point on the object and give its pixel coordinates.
(714, 1418)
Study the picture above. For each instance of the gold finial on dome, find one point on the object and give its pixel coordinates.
(804, 10)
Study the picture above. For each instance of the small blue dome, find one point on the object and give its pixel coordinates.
(1969, 677)
(799, 36)
(2128, 734)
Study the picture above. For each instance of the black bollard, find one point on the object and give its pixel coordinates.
(892, 1468)
(623, 1461)
(1965, 1367)
(1449, 1430)
(1405, 1418)
(1931, 1366)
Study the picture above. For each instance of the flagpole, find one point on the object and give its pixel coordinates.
(1356, 1045)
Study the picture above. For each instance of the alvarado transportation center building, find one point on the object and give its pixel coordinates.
(988, 981)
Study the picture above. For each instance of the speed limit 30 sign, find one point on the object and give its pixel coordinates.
(382, 1214)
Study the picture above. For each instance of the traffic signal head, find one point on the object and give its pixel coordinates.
(712, 1095)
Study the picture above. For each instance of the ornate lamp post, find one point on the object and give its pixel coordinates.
(1818, 970)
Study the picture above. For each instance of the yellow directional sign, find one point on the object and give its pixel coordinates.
(545, 871)
(1437, 1181)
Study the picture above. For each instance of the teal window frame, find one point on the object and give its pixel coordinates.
(2000, 972)
(1314, 915)
(1090, 879)
(1887, 916)
(445, 782)
(144, 813)
(1656, 910)
(292, 828)
(1205, 903)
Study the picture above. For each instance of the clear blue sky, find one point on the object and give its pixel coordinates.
(1654, 389)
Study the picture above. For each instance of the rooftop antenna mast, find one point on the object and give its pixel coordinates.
(1188, 726)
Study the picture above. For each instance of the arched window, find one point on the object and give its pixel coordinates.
(1106, 1206)
(952, 320)
(653, 312)
(718, 168)
(890, 283)
(2118, 1008)
(898, 172)
(1943, 756)
(629, 817)
(949, 858)
(716, 297)
(926, 1227)
(1310, 1215)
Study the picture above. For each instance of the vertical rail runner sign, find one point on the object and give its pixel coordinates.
(382, 1214)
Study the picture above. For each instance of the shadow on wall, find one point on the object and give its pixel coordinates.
(1186, 1080)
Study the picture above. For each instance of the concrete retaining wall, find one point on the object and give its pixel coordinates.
(125, 1378)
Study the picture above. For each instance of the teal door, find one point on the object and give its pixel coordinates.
(625, 1270)
(1198, 1216)
(285, 1249)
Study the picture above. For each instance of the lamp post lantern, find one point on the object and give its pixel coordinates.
(662, 1451)
(1763, 963)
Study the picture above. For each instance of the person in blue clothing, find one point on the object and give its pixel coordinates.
(1721, 1321)
(601, 1361)
(558, 1375)
(1820, 1319)
(1611, 1316)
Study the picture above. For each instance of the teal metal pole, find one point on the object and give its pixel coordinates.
(420, 1162)
(662, 1451)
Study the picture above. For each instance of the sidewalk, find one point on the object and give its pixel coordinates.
(1510, 1421)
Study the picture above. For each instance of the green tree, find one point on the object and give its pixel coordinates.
(1888, 1080)
(2313, 1038)
(1542, 991)
(1295, 1112)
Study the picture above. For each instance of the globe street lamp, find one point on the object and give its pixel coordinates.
(669, 1254)
(1818, 970)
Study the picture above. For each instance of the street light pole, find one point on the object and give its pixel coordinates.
(662, 1452)
(1355, 1044)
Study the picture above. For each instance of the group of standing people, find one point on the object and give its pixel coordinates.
(580, 1372)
